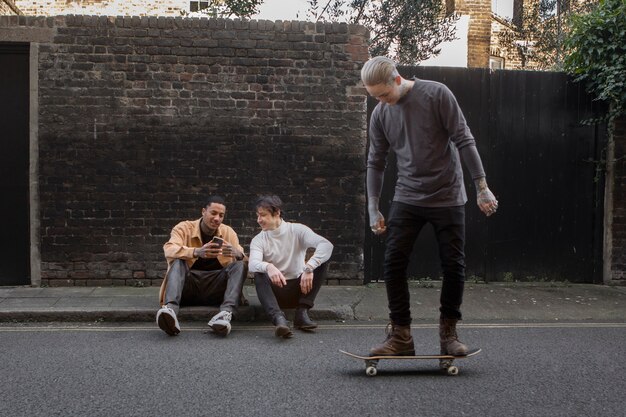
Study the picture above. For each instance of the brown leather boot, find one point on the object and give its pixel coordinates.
(450, 344)
(399, 342)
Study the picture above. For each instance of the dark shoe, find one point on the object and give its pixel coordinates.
(282, 327)
(167, 321)
(302, 321)
(449, 341)
(399, 342)
(243, 301)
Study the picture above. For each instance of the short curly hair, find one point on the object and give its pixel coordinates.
(218, 199)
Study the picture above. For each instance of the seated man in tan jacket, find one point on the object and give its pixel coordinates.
(206, 266)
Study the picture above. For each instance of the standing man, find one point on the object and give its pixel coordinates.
(205, 266)
(421, 122)
(282, 277)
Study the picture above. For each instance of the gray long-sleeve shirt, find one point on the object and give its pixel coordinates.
(426, 130)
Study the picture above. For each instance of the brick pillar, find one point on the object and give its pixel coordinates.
(479, 35)
(615, 208)
(518, 12)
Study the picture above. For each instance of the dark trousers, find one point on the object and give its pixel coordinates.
(193, 287)
(404, 225)
(274, 298)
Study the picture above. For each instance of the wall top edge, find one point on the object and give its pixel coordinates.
(178, 22)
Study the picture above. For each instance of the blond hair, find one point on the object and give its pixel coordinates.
(379, 70)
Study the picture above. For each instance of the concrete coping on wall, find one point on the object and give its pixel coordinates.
(179, 22)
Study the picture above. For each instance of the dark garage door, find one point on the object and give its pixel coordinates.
(14, 162)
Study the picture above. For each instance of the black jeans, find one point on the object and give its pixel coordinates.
(404, 225)
(194, 287)
(274, 298)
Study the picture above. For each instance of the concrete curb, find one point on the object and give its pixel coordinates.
(245, 314)
(483, 303)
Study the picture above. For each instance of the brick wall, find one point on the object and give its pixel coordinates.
(483, 32)
(8, 8)
(140, 118)
(479, 33)
(103, 7)
(5, 9)
(512, 57)
(616, 272)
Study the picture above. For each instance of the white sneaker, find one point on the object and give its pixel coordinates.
(220, 323)
(167, 321)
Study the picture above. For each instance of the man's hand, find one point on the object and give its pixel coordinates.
(306, 282)
(377, 221)
(485, 199)
(276, 276)
(207, 251)
(230, 250)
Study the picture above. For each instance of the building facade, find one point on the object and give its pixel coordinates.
(8, 8)
(104, 7)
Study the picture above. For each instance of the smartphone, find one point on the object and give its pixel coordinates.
(217, 240)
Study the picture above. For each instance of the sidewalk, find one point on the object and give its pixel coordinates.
(483, 303)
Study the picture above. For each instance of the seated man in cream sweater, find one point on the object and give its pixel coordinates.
(282, 277)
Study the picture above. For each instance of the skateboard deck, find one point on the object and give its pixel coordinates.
(445, 361)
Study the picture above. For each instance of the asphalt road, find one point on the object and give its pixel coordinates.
(136, 370)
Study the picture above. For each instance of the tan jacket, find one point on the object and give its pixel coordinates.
(185, 237)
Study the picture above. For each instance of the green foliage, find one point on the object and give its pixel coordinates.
(230, 8)
(241, 8)
(406, 31)
(597, 53)
(539, 30)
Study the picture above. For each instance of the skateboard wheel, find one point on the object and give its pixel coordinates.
(370, 371)
(453, 370)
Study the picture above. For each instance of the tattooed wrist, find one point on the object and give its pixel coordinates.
(481, 184)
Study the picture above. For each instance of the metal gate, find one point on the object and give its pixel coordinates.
(541, 162)
(14, 164)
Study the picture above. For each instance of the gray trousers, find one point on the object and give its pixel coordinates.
(194, 287)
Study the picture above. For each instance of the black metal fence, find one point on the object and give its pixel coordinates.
(542, 163)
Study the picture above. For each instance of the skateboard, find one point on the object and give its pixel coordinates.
(445, 361)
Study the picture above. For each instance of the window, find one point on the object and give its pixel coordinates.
(496, 63)
(196, 6)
